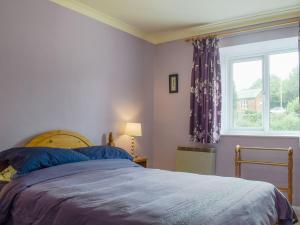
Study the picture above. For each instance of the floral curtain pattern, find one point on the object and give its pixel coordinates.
(205, 96)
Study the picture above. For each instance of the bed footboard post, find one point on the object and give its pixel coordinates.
(237, 161)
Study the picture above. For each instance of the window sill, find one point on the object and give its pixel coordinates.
(258, 134)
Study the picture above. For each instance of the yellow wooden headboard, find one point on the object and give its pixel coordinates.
(59, 139)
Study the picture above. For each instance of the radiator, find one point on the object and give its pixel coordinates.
(196, 160)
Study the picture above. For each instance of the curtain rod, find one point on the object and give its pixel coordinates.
(247, 29)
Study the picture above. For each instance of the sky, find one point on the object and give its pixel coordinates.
(282, 64)
(246, 73)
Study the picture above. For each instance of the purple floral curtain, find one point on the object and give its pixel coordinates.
(205, 102)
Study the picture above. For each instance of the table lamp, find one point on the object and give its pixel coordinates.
(133, 130)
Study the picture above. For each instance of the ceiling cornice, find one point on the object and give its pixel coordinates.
(260, 18)
(104, 18)
(161, 37)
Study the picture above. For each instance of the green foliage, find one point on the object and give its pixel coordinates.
(284, 122)
(248, 119)
(274, 91)
(289, 120)
(290, 87)
(293, 106)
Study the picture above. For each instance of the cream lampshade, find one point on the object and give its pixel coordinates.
(133, 130)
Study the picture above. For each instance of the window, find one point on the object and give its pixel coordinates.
(284, 91)
(261, 90)
(244, 104)
(247, 92)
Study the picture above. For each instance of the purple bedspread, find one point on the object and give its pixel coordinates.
(118, 192)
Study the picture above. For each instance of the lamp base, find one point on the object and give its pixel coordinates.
(132, 152)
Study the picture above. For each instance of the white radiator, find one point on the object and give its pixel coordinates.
(196, 160)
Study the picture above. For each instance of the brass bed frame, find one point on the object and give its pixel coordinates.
(289, 164)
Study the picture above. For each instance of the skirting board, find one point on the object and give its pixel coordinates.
(297, 209)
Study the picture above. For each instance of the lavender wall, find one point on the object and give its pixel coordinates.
(59, 69)
(171, 115)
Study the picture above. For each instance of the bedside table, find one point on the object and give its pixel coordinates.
(141, 161)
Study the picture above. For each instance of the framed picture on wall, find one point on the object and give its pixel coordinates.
(173, 83)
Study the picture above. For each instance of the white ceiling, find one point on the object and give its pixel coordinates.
(152, 17)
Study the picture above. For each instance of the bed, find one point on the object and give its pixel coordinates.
(120, 192)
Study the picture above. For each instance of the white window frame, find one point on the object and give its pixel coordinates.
(244, 104)
(227, 122)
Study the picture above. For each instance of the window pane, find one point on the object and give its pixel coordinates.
(247, 94)
(284, 92)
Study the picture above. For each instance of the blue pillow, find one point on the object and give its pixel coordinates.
(104, 152)
(25, 160)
